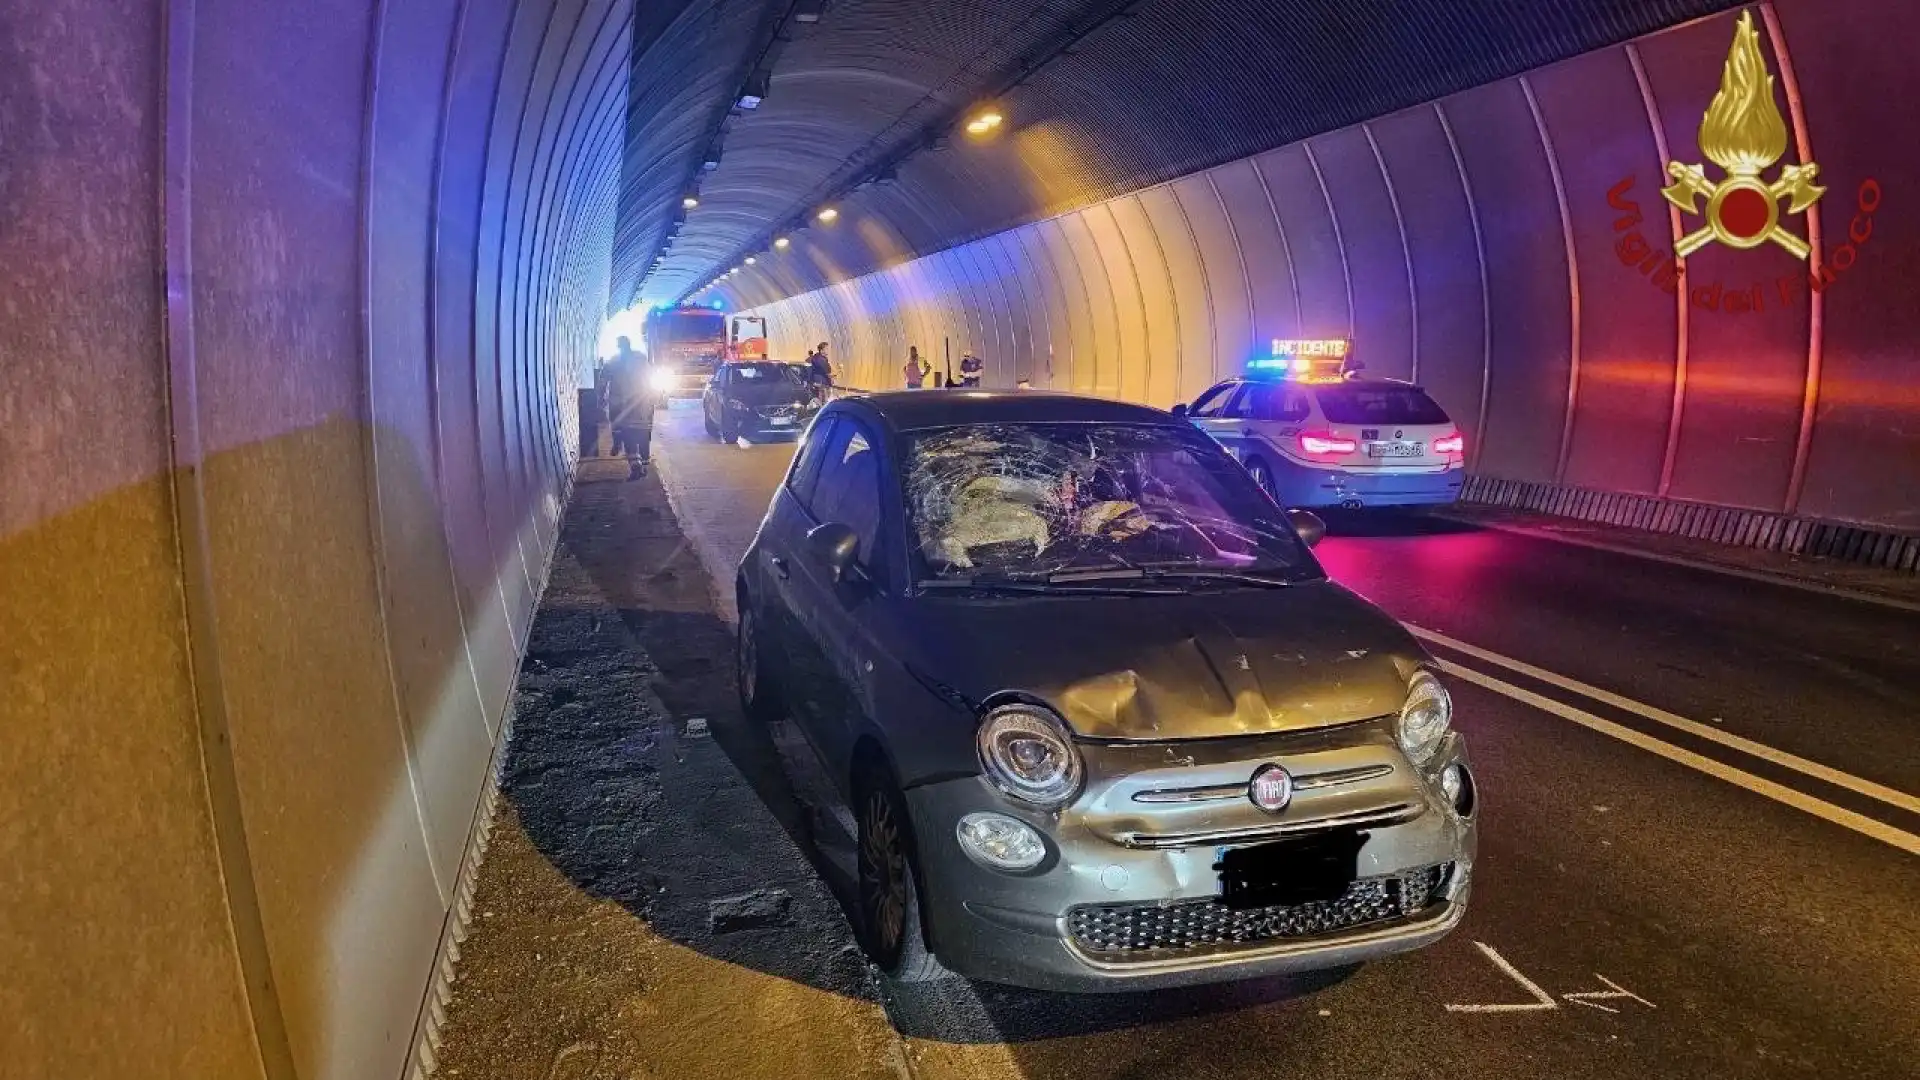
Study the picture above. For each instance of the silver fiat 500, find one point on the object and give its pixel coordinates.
(1102, 720)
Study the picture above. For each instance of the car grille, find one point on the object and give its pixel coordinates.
(1146, 931)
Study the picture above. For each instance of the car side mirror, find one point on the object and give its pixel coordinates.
(837, 547)
(1312, 530)
(1180, 409)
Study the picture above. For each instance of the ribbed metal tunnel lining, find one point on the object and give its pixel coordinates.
(1169, 89)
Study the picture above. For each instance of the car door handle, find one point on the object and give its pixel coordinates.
(779, 566)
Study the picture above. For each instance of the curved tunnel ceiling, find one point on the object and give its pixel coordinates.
(1101, 96)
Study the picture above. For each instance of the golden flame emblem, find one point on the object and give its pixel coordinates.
(1743, 133)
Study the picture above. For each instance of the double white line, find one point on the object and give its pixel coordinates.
(1759, 785)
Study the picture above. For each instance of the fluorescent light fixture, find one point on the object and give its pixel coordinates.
(751, 260)
(828, 214)
(984, 121)
(782, 243)
(689, 203)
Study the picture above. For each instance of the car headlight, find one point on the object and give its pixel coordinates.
(663, 378)
(1424, 718)
(1027, 753)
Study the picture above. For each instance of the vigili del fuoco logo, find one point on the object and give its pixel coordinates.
(1744, 134)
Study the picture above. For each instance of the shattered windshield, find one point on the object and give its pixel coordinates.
(1032, 500)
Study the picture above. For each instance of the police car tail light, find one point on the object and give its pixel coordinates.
(1450, 444)
(1327, 444)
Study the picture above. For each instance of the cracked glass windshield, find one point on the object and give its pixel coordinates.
(1036, 500)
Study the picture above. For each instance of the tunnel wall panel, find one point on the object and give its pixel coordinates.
(1449, 272)
(1229, 298)
(1521, 227)
(1625, 399)
(1376, 259)
(1262, 255)
(337, 358)
(1475, 242)
(113, 923)
(1313, 246)
(1864, 454)
(1129, 357)
(1188, 305)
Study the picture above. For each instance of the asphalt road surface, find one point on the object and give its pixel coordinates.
(1699, 852)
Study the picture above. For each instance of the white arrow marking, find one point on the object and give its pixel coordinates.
(1617, 993)
(1542, 1000)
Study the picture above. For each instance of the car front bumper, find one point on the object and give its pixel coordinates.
(1049, 928)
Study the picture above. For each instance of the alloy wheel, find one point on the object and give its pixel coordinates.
(1263, 477)
(883, 877)
(748, 656)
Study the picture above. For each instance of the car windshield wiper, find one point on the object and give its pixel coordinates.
(1053, 584)
(1198, 573)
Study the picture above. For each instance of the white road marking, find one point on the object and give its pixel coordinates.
(1799, 800)
(1542, 1001)
(1615, 992)
(1871, 790)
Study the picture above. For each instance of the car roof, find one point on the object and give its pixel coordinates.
(910, 410)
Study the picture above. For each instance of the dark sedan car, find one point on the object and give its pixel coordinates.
(757, 397)
(1103, 721)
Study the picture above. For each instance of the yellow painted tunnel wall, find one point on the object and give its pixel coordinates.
(298, 296)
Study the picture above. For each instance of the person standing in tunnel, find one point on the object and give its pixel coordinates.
(630, 404)
(915, 369)
(820, 372)
(971, 368)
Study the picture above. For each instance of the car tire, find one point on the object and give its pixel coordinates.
(891, 930)
(713, 430)
(759, 701)
(728, 432)
(1262, 475)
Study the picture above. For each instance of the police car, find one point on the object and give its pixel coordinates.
(1313, 432)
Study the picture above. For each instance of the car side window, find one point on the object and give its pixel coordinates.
(806, 466)
(848, 490)
(1215, 401)
(1242, 405)
(1279, 404)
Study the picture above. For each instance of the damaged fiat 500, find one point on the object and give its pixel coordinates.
(1102, 720)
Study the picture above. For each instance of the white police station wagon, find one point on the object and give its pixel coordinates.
(1312, 432)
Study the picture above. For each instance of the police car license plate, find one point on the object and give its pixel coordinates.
(780, 421)
(1395, 449)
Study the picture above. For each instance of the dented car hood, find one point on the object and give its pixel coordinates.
(1207, 664)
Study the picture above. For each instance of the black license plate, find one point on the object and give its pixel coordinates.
(1290, 872)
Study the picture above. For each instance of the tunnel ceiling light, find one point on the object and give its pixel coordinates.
(984, 121)
(751, 260)
(828, 214)
(689, 202)
(782, 243)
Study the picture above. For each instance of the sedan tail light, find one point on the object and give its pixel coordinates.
(1450, 444)
(1327, 444)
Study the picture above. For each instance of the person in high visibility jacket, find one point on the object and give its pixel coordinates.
(971, 368)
